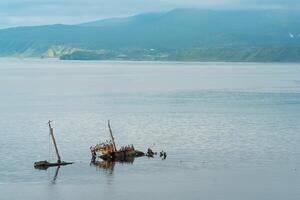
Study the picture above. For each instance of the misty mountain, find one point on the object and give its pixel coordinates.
(186, 34)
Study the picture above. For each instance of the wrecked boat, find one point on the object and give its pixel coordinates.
(44, 164)
(109, 151)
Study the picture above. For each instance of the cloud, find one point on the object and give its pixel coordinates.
(239, 4)
(35, 12)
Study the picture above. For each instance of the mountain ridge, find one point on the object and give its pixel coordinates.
(164, 36)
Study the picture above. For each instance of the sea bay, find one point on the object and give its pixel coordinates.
(231, 130)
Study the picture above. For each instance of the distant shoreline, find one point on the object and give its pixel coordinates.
(11, 58)
(180, 35)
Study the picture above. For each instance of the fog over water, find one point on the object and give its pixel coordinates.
(231, 130)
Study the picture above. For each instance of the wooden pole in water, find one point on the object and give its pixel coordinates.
(112, 137)
(54, 142)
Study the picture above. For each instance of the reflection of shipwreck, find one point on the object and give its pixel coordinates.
(45, 164)
(108, 150)
(110, 164)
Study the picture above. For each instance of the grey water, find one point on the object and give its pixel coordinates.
(231, 130)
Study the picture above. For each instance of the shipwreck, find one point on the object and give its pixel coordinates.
(109, 151)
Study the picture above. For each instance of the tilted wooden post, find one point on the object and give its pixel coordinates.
(112, 137)
(54, 142)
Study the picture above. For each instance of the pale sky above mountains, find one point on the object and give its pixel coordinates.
(37, 12)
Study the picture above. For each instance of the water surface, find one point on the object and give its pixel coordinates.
(231, 130)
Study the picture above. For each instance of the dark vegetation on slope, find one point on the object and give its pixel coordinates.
(181, 35)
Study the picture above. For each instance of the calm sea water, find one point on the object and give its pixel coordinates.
(231, 131)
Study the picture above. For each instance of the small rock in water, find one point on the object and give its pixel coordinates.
(150, 153)
(163, 155)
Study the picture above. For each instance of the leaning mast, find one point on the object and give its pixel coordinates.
(112, 137)
(54, 142)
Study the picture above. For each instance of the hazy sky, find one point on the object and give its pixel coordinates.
(35, 12)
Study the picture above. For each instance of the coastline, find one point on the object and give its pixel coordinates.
(13, 58)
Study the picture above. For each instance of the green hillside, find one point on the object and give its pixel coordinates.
(189, 35)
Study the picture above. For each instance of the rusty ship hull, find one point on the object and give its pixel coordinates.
(121, 155)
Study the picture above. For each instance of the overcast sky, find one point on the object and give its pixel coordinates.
(36, 12)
